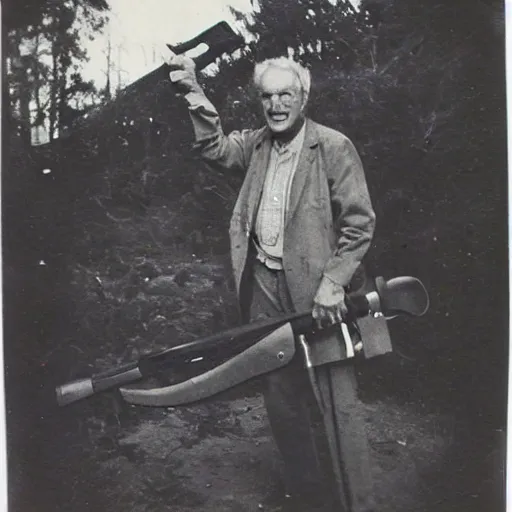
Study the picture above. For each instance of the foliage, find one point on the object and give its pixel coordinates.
(44, 51)
(24, 13)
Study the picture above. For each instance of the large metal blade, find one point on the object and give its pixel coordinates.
(270, 353)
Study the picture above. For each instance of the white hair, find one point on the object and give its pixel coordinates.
(287, 64)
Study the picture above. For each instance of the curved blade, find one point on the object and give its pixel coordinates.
(272, 352)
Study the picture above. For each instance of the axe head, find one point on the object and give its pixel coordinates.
(220, 39)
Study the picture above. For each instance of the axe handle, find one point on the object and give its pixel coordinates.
(301, 322)
(157, 75)
(161, 73)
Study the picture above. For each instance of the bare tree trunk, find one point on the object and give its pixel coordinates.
(62, 99)
(54, 91)
(7, 117)
(119, 70)
(23, 88)
(39, 117)
(25, 95)
(108, 91)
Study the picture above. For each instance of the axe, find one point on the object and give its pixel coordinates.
(219, 39)
(242, 353)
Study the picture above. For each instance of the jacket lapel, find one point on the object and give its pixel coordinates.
(306, 157)
(258, 170)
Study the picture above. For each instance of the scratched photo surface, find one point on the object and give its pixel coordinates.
(116, 245)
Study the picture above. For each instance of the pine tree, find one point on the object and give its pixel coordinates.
(42, 63)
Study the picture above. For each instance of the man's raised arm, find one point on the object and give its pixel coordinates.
(231, 151)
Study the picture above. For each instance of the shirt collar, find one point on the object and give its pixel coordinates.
(294, 145)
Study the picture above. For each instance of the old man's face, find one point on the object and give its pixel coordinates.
(282, 99)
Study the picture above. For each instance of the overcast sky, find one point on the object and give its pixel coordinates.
(139, 31)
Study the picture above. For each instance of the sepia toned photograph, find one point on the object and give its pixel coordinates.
(255, 255)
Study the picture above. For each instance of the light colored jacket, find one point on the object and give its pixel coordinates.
(330, 220)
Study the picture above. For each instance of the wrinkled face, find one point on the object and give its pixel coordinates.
(282, 99)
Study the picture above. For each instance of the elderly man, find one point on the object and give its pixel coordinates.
(301, 225)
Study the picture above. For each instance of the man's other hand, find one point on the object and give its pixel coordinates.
(183, 73)
(329, 303)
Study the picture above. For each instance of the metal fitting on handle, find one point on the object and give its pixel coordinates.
(306, 350)
(349, 346)
(374, 303)
(73, 391)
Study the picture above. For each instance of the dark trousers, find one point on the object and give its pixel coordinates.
(295, 417)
